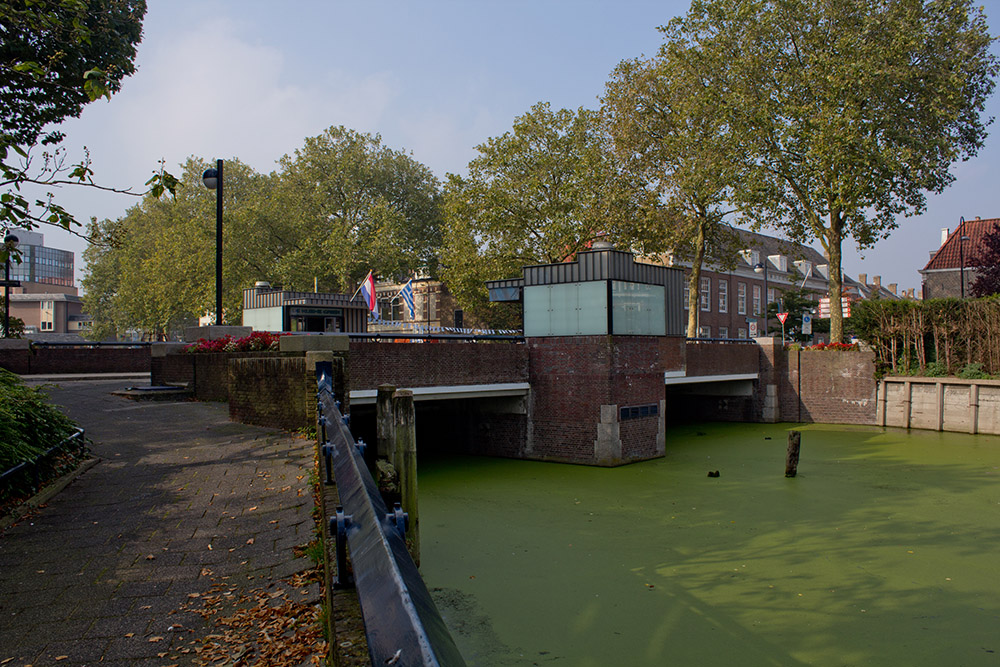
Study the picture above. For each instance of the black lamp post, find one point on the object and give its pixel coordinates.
(761, 267)
(213, 181)
(962, 238)
(10, 242)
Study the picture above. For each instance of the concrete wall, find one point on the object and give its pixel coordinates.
(940, 404)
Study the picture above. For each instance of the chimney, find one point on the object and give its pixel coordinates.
(944, 235)
(877, 281)
(892, 287)
(978, 218)
(863, 278)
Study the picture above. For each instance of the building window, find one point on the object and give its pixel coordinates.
(46, 326)
(687, 294)
(723, 296)
(770, 295)
(705, 294)
(756, 300)
(741, 298)
(705, 332)
(742, 333)
(723, 332)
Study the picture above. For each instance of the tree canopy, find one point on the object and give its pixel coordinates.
(340, 206)
(987, 264)
(539, 193)
(663, 117)
(845, 113)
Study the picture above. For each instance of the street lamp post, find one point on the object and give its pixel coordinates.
(761, 267)
(213, 181)
(10, 242)
(962, 238)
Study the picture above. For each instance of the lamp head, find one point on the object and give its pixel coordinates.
(10, 241)
(210, 178)
(758, 267)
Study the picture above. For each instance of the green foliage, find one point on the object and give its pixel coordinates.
(796, 303)
(987, 263)
(28, 425)
(846, 113)
(933, 337)
(56, 56)
(667, 129)
(16, 328)
(973, 371)
(539, 193)
(341, 206)
(346, 204)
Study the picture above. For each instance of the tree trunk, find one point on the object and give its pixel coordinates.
(834, 237)
(694, 282)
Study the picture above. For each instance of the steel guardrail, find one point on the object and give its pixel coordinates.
(402, 624)
(35, 464)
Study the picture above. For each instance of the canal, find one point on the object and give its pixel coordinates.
(884, 550)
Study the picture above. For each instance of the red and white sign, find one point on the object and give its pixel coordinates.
(824, 307)
(782, 317)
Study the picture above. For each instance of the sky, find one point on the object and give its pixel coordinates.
(251, 79)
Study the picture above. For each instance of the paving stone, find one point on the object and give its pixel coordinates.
(174, 478)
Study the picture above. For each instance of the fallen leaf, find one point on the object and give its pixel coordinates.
(194, 595)
(130, 634)
(61, 657)
(153, 640)
(250, 541)
(252, 508)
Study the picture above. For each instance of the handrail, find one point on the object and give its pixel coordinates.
(402, 624)
(77, 435)
(90, 344)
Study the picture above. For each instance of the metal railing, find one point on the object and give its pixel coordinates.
(34, 466)
(402, 624)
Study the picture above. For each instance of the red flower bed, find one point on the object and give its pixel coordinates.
(257, 341)
(841, 347)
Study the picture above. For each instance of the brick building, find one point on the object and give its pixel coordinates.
(954, 261)
(733, 300)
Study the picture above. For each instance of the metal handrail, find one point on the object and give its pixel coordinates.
(34, 463)
(402, 624)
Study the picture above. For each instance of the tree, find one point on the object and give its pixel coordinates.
(846, 113)
(56, 56)
(539, 193)
(353, 205)
(987, 263)
(663, 117)
(152, 270)
(796, 303)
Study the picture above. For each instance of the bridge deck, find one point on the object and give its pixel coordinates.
(449, 392)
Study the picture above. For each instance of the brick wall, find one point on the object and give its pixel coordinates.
(429, 364)
(269, 391)
(43, 360)
(835, 387)
(717, 358)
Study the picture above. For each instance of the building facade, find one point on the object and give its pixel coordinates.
(951, 269)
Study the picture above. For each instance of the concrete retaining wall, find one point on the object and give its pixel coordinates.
(940, 404)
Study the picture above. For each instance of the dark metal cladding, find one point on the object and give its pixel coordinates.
(599, 265)
(402, 624)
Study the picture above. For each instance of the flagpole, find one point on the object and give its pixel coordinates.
(359, 286)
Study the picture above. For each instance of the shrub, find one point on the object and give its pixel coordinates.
(28, 425)
(258, 341)
(973, 371)
(936, 369)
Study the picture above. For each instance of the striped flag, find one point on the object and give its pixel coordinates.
(407, 294)
(368, 294)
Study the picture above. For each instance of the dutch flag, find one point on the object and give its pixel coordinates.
(368, 294)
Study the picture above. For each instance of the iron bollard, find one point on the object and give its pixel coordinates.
(362, 447)
(338, 527)
(399, 518)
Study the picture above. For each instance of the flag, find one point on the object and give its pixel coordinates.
(407, 294)
(368, 294)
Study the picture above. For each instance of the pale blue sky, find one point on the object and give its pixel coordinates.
(252, 79)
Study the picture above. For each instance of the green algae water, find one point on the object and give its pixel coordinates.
(884, 550)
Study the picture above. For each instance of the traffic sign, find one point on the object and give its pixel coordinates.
(782, 317)
(807, 324)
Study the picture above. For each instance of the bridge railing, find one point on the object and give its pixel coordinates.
(402, 624)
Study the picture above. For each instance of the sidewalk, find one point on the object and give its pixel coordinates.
(185, 510)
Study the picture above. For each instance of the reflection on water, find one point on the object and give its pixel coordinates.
(884, 550)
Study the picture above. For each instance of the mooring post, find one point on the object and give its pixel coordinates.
(792, 456)
(386, 444)
(406, 464)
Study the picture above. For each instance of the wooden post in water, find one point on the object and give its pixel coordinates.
(386, 445)
(792, 456)
(406, 464)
